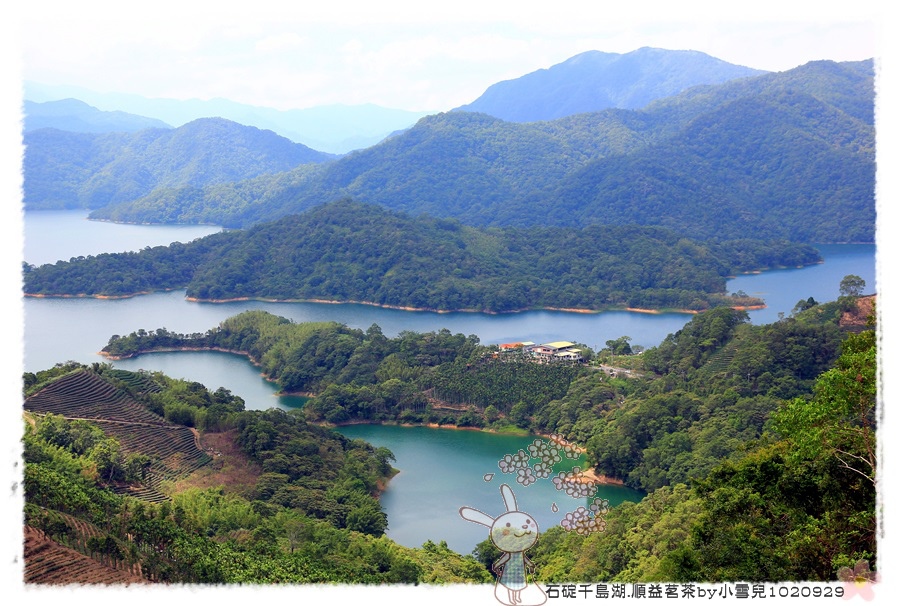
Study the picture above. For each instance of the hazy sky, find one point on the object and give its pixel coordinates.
(408, 55)
(402, 54)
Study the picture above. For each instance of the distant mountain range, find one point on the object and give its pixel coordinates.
(335, 129)
(87, 170)
(79, 117)
(594, 81)
(588, 82)
(787, 154)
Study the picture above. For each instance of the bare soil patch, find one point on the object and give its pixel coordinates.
(230, 467)
(857, 317)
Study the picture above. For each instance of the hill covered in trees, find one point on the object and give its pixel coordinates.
(64, 169)
(787, 155)
(348, 251)
(794, 502)
(594, 81)
(732, 430)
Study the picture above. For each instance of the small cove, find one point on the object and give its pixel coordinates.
(444, 469)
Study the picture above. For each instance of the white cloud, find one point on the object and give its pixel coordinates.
(397, 53)
(287, 41)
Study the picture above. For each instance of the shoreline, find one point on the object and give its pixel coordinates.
(246, 354)
(152, 223)
(574, 310)
(590, 475)
(237, 352)
(85, 296)
(110, 356)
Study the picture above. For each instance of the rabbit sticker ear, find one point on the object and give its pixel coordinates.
(509, 498)
(473, 515)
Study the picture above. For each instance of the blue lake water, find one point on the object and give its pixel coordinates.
(783, 288)
(53, 235)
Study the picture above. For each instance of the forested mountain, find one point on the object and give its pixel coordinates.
(718, 176)
(454, 165)
(335, 129)
(348, 251)
(594, 81)
(65, 169)
(76, 116)
(796, 501)
(788, 154)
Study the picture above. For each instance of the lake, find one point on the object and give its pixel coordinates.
(423, 500)
(53, 235)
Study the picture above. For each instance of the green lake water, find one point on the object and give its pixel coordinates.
(442, 470)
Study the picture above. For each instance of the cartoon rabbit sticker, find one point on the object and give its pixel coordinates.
(512, 532)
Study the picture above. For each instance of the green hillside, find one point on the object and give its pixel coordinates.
(180, 484)
(88, 170)
(347, 251)
(784, 164)
(788, 153)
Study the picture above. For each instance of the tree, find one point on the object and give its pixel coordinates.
(384, 457)
(491, 413)
(804, 304)
(486, 553)
(852, 286)
(136, 467)
(620, 346)
(518, 414)
(108, 456)
(294, 528)
(839, 421)
(587, 354)
(367, 518)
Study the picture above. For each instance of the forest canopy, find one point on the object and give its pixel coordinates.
(347, 251)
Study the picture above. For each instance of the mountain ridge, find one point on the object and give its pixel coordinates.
(585, 168)
(594, 80)
(87, 170)
(77, 116)
(335, 129)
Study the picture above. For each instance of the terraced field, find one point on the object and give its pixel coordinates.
(174, 449)
(137, 381)
(85, 395)
(71, 554)
(49, 563)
